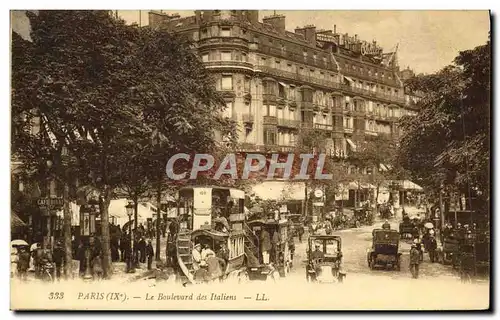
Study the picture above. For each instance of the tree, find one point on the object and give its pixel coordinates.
(105, 89)
(377, 153)
(315, 141)
(447, 143)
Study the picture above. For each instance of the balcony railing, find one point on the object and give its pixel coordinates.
(269, 98)
(248, 118)
(270, 120)
(288, 123)
(329, 84)
(217, 41)
(229, 64)
(306, 105)
(321, 126)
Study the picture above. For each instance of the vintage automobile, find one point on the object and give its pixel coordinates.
(408, 230)
(324, 259)
(280, 260)
(385, 249)
(296, 224)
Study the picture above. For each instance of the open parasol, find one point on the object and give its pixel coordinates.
(18, 243)
(429, 225)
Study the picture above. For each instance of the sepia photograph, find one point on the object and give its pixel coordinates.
(250, 160)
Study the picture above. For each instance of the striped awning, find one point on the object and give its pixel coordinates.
(383, 167)
(353, 146)
(15, 221)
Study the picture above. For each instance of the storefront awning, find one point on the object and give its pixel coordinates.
(348, 79)
(353, 146)
(383, 167)
(15, 221)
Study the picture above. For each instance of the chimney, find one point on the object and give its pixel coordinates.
(335, 28)
(277, 21)
(310, 34)
(356, 38)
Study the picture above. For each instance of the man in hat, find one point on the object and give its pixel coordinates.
(206, 251)
(23, 262)
(149, 254)
(196, 256)
(386, 225)
(265, 245)
(414, 261)
(317, 253)
(432, 247)
(59, 258)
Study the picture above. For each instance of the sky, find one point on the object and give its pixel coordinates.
(428, 40)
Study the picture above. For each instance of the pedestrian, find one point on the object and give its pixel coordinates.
(196, 254)
(265, 245)
(59, 259)
(142, 250)
(97, 270)
(223, 255)
(23, 263)
(431, 247)
(123, 246)
(80, 255)
(414, 261)
(149, 254)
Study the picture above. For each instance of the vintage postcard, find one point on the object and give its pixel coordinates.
(250, 160)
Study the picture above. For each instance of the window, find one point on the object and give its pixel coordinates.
(348, 122)
(281, 90)
(269, 110)
(291, 93)
(227, 82)
(204, 57)
(244, 57)
(278, 64)
(228, 112)
(225, 55)
(262, 61)
(204, 33)
(314, 57)
(283, 49)
(225, 32)
(247, 84)
(269, 136)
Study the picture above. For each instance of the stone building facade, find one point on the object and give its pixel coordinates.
(275, 81)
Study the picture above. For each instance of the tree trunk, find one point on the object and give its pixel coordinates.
(68, 248)
(106, 250)
(135, 259)
(306, 199)
(158, 217)
(376, 194)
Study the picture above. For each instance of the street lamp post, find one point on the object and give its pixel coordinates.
(86, 225)
(130, 257)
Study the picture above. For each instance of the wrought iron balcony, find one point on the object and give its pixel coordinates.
(270, 120)
(288, 123)
(248, 118)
